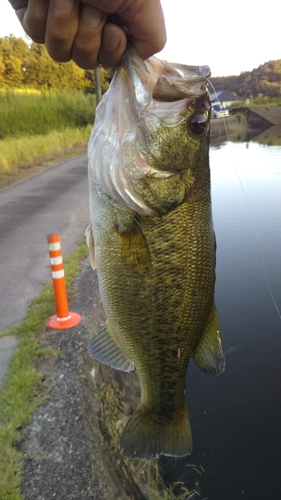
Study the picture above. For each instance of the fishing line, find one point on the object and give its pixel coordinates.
(251, 215)
(217, 100)
(259, 243)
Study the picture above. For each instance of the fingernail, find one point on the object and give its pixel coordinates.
(64, 6)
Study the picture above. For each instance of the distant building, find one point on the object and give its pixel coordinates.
(224, 97)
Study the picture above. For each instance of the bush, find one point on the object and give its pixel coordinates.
(26, 112)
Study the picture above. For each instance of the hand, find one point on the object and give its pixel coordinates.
(93, 32)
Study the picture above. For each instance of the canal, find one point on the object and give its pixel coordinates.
(235, 417)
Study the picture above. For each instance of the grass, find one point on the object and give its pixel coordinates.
(36, 127)
(23, 152)
(24, 389)
(259, 102)
(35, 113)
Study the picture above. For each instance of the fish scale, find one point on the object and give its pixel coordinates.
(156, 269)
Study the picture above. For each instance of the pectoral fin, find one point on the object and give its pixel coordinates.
(105, 348)
(134, 247)
(91, 244)
(209, 355)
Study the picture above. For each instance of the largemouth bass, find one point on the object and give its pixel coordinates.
(152, 243)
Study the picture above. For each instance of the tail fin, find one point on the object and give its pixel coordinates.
(146, 436)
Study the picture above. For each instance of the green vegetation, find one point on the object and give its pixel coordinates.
(26, 112)
(24, 389)
(259, 102)
(29, 66)
(31, 150)
(262, 82)
(47, 108)
(39, 126)
(23, 65)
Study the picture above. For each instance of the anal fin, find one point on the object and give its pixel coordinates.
(105, 348)
(209, 355)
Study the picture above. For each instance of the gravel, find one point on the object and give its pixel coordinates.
(65, 454)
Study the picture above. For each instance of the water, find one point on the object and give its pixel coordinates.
(236, 417)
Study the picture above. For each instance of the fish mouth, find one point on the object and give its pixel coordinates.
(177, 81)
(163, 81)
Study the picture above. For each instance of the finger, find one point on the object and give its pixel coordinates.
(21, 13)
(146, 27)
(61, 28)
(113, 45)
(19, 4)
(144, 21)
(20, 7)
(33, 16)
(86, 46)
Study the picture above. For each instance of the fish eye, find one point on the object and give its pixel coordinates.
(198, 124)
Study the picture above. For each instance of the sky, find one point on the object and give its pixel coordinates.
(230, 38)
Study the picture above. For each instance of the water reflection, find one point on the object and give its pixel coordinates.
(235, 417)
(242, 133)
(270, 136)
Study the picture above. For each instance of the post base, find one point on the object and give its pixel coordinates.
(63, 323)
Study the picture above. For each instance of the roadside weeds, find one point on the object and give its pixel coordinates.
(24, 389)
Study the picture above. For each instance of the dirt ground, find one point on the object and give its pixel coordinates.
(67, 452)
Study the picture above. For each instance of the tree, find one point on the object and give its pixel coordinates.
(13, 52)
(263, 81)
(2, 70)
(105, 79)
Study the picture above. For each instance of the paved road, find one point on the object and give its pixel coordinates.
(55, 200)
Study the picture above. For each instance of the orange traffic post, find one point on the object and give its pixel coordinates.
(63, 319)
